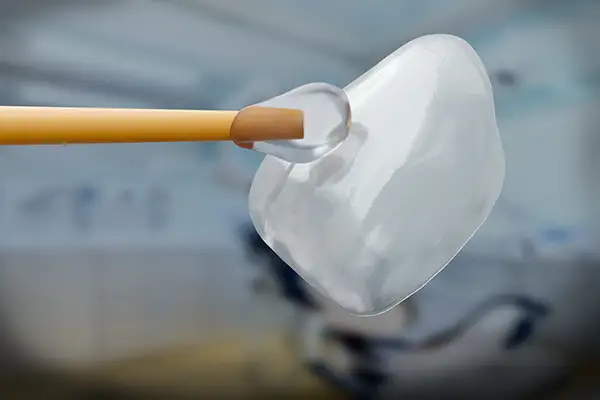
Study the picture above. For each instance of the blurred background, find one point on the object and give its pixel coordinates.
(132, 270)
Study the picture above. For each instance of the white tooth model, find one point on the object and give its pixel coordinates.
(373, 220)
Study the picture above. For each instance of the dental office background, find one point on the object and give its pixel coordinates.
(113, 251)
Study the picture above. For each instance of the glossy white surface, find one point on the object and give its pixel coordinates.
(421, 169)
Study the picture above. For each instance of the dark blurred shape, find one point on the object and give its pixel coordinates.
(356, 343)
(525, 328)
(367, 373)
(84, 200)
(521, 333)
(506, 78)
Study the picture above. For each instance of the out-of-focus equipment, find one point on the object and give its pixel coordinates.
(367, 372)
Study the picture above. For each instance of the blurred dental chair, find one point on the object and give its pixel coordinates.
(368, 370)
(351, 353)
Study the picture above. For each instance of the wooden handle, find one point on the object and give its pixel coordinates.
(57, 125)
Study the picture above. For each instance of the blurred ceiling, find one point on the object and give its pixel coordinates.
(207, 53)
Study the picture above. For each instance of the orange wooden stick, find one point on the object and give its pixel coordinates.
(56, 125)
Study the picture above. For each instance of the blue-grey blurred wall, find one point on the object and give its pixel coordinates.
(84, 272)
